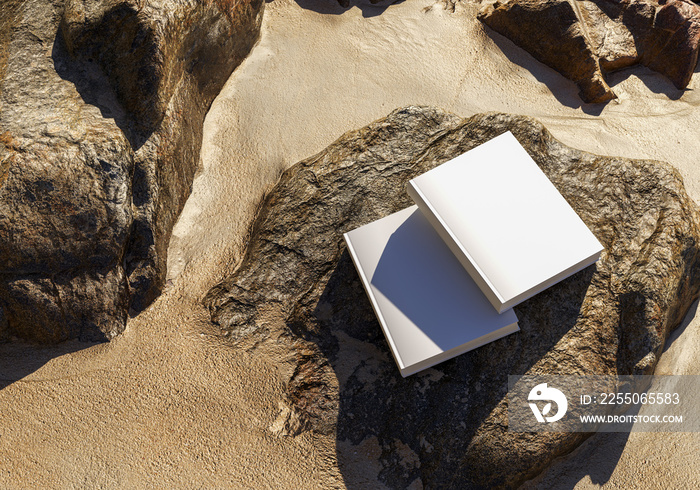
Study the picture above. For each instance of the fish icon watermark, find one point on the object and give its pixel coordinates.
(542, 392)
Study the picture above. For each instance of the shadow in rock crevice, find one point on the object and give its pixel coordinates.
(423, 429)
(676, 365)
(95, 89)
(655, 82)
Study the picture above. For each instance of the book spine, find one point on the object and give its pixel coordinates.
(456, 247)
(375, 306)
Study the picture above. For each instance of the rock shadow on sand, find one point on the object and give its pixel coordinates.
(20, 359)
(567, 92)
(563, 89)
(339, 7)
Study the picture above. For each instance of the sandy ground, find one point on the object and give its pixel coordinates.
(169, 405)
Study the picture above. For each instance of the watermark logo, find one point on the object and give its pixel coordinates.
(603, 403)
(542, 392)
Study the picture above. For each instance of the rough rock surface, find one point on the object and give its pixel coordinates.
(296, 292)
(101, 112)
(585, 39)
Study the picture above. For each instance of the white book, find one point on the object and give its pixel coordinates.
(505, 221)
(429, 308)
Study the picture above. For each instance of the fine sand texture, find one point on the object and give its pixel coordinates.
(169, 404)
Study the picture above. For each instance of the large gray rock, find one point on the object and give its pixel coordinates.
(583, 40)
(102, 106)
(296, 295)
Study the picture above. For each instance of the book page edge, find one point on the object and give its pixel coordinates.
(554, 280)
(456, 247)
(375, 305)
(461, 349)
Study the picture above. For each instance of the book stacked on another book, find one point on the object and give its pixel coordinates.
(489, 230)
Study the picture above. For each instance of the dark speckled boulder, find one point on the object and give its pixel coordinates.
(296, 295)
(101, 112)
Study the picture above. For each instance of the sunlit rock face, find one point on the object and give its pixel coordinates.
(583, 40)
(102, 106)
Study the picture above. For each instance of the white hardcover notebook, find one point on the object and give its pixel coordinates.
(505, 221)
(429, 308)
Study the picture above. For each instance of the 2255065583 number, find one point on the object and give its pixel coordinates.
(639, 399)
